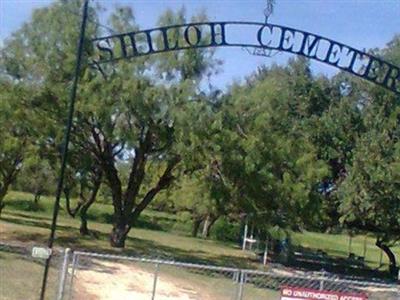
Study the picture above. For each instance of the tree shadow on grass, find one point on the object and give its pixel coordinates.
(68, 236)
(153, 222)
(34, 223)
(26, 215)
(152, 249)
(25, 205)
(145, 222)
(309, 259)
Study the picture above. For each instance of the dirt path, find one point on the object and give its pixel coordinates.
(116, 281)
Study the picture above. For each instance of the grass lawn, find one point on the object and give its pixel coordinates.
(338, 245)
(17, 224)
(21, 277)
(161, 232)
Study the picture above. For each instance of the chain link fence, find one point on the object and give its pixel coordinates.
(103, 276)
(83, 275)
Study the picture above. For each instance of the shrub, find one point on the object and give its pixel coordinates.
(223, 230)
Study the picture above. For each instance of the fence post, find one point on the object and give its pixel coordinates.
(321, 282)
(64, 270)
(155, 281)
(74, 263)
(241, 282)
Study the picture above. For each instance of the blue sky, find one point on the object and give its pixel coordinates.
(362, 24)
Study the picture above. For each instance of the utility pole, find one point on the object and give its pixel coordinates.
(67, 135)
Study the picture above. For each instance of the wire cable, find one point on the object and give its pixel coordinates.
(112, 31)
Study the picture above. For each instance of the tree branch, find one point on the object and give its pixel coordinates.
(71, 212)
(164, 181)
(137, 173)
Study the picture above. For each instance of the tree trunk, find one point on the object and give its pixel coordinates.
(7, 179)
(3, 193)
(196, 226)
(118, 234)
(83, 229)
(392, 259)
(208, 223)
(2, 204)
(205, 226)
(37, 198)
(163, 182)
(126, 209)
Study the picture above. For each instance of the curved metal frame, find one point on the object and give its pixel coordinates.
(216, 34)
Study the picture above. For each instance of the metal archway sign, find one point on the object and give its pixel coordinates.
(259, 36)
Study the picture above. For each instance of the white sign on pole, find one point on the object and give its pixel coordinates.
(41, 252)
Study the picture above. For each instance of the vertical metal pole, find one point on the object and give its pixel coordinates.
(251, 236)
(241, 282)
(235, 279)
(153, 295)
(245, 235)
(63, 274)
(265, 258)
(65, 145)
(71, 282)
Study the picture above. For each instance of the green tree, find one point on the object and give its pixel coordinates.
(123, 113)
(192, 198)
(369, 195)
(14, 136)
(44, 60)
(334, 135)
(36, 177)
(84, 179)
(140, 123)
(267, 159)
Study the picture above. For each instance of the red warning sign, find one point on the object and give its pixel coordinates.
(294, 293)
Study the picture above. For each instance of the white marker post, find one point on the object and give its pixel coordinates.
(245, 236)
(265, 258)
